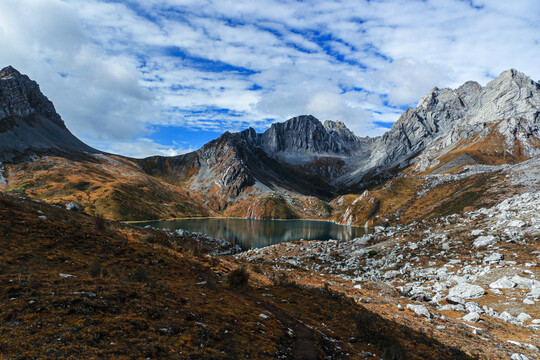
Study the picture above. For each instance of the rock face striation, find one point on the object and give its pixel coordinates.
(29, 123)
(503, 117)
(303, 139)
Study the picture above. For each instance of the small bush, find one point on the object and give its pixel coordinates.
(372, 253)
(210, 281)
(238, 278)
(140, 275)
(100, 222)
(6, 203)
(148, 238)
(162, 286)
(391, 350)
(256, 268)
(281, 279)
(98, 270)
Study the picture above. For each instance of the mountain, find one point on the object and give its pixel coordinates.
(279, 158)
(29, 124)
(300, 168)
(446, 155)
(42, 159)
(495, 124)
(303, 139)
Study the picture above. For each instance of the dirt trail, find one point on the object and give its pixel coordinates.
(303, 345)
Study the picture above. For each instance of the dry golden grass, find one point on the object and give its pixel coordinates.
(124, 294)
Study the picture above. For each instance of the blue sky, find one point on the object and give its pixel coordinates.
(148, 77)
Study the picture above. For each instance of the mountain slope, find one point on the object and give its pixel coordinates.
(501, 121)
(292, 169)
(41, 158)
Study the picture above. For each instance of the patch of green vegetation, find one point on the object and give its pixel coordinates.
(22, 188)
(326, 207)
(457, 204)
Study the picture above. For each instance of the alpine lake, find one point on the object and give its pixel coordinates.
(252, 233)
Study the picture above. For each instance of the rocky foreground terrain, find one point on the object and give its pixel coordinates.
(78, 286)
(471, 280)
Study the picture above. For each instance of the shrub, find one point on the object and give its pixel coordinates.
(140, 275)
(238, 278)
(148, 238)
(372, 253)
(100, 222)
(210, 281)
(98, 270)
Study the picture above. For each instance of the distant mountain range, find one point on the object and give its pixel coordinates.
(298, 168)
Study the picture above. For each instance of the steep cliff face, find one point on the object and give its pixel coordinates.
(29, 124)
(303, 139)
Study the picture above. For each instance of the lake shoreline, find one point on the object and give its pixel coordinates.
(255, 233)
(135, 222)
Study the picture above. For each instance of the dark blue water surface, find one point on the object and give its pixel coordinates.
(251, 233)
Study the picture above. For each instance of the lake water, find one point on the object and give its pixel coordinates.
(251, 233)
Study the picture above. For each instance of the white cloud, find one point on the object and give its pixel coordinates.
(142, 147)
(116, 69)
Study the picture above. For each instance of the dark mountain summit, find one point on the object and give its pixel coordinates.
(29, 123)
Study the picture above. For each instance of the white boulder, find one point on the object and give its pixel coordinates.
(503, 283)
(471, 317)
(483, 241)
(419, 310)
(466, 291)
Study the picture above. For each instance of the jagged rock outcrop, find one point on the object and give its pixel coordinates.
(300, 155)
(446, 120)
(303, 139)
(29, 124)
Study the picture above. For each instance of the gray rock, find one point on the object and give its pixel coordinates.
(391, 274)
(419, 310)
(455, 300)
(506, 316)
(503, 283)
(483, 241)
(494, 258)
(525, 282)
(522, 317)
(72, 206)
(516, 223)
(471, 317)
(516, 356)
(473, 306)
(466, 291)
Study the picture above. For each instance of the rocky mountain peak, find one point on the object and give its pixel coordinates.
(9, 72)
(508, 108)
(303, 138)
(29, 123)
(20, 97)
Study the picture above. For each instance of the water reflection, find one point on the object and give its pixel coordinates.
(251, 233)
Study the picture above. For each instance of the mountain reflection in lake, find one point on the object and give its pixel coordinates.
(251, 233)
